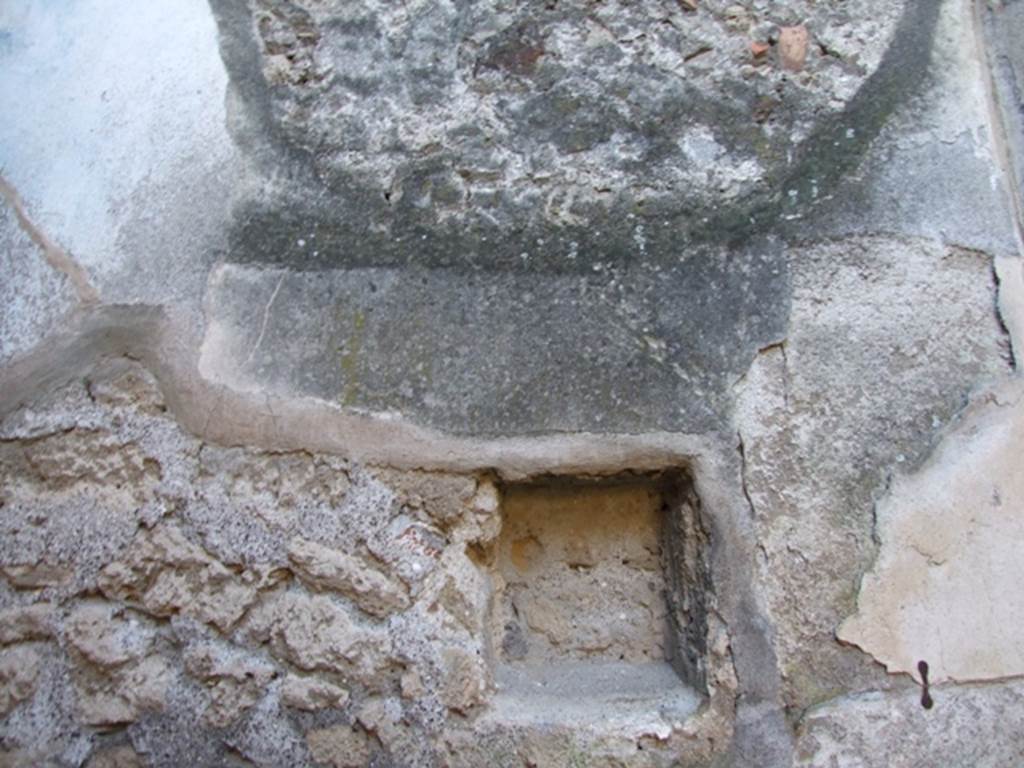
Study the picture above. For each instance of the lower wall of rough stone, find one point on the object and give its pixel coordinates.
(169, 602)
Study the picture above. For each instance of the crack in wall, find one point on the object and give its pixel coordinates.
(743, 474)
(266, 318)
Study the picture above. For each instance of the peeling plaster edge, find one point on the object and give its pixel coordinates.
(58, 259)
(984, 409)
(893, 669)
(1009, 272)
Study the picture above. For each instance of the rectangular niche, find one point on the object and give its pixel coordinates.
(600, 588)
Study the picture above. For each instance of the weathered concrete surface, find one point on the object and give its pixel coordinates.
(472, 131)
(452, 104)
(968, 725)
(625, 349)
(1002, 22)
(644, 321)
(633, 309)
(936, 168)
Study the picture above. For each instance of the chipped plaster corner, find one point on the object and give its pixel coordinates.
(945, 587)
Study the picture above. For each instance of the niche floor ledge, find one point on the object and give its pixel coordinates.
(645, 698)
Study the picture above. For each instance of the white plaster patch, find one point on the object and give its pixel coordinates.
(102, 99)
(946, 585)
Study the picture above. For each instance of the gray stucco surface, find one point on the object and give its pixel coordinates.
(627, 348)
(1003, 22)
(412, 289)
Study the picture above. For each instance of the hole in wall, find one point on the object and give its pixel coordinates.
(600, 592)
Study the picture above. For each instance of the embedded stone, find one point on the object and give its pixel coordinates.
(444, 497)
(115, 676)
(32, 622)
(101, 638)
(312, 694)
(329, 569)
(36, 575)
(412, 685)
(115, 757)
(487, 498)
(339, 746)
(19, 670)
(384, 719)
(165, 574)
(464, 680)
(314, 632)
(234, 681)
(793, 47)
(115, 697)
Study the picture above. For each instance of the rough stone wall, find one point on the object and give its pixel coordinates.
(179, 602)
(301, 298)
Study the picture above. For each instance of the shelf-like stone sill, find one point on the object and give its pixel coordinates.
(640, 699)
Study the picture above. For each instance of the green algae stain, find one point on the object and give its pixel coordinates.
(350, 352)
